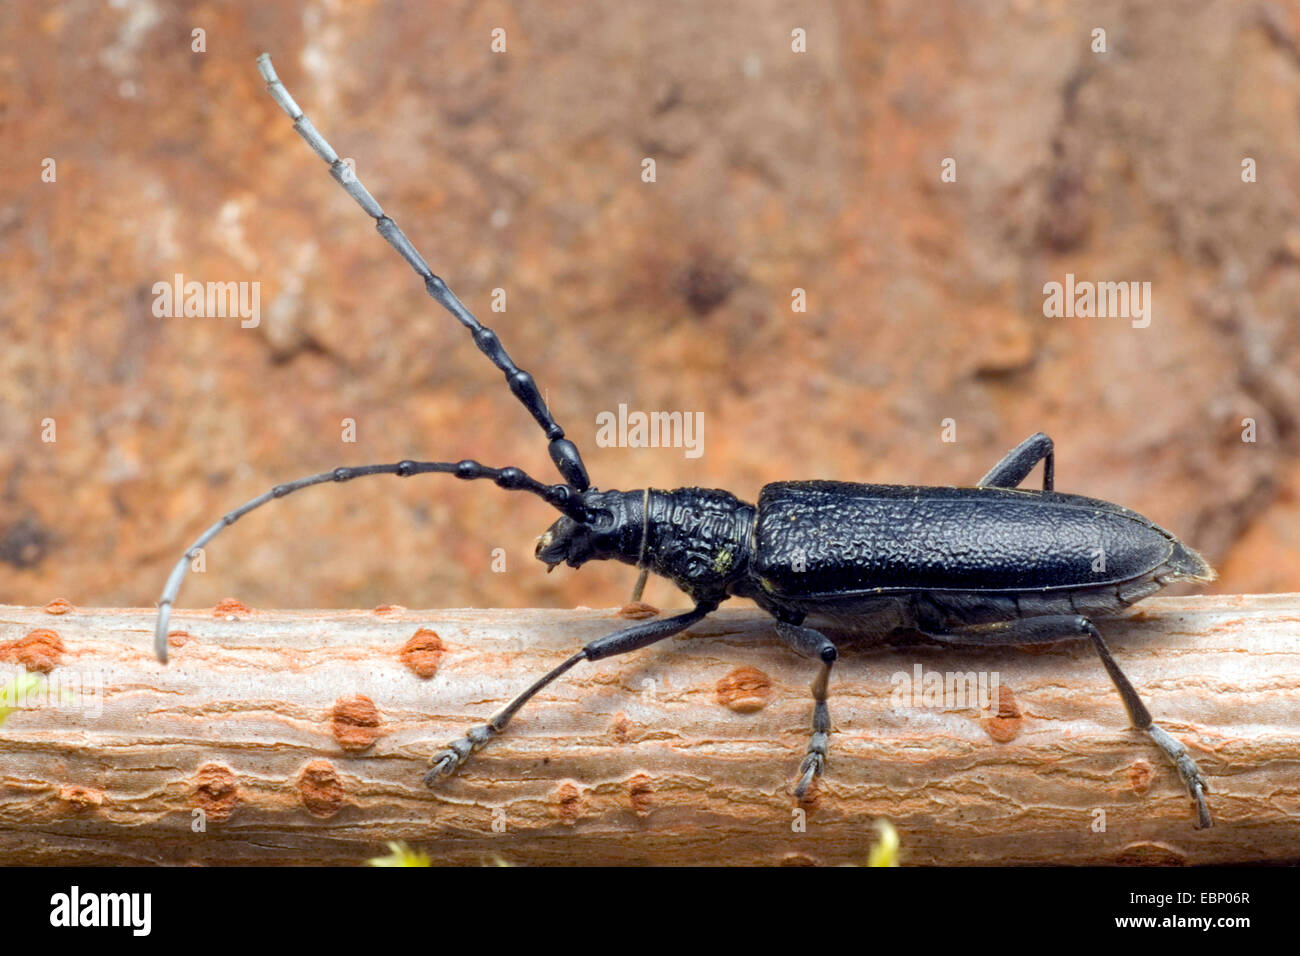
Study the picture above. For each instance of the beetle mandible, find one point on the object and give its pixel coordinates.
(991, 565)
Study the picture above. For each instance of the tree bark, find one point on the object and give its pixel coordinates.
(304, 736)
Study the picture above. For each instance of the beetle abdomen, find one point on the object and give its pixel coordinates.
(821, 539)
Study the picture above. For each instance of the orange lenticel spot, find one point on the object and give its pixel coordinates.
(356, 722)
(40, 650)
(230, 606)
(321, 789)
(422, 652)
(744, 690)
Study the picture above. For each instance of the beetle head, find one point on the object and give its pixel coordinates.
(604, 533)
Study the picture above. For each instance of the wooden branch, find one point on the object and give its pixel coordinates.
(303, 737)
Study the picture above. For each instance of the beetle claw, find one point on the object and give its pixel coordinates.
(1203, 819)
(444, 764)
(811, 768)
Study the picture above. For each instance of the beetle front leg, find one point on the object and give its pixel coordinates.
(448, 760)
(815, 644)
(1016, 465)
(1050, 629)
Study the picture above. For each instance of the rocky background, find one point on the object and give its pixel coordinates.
(522, 170)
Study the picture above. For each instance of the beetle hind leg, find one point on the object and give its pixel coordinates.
(1177, 753)
(813, 643)
(1049, 629)
(1016, 465)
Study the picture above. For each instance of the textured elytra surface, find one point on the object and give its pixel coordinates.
(824, 538)
(522, 171)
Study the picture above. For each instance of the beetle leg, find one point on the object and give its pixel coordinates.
(638, 589)
(449, 759)
(812, 643)
(1020, 461)
(1063, 627)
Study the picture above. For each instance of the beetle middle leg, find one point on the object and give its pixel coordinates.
(1063, 627)
(638, 589)
(813, 643)
(1016, 465)
(633, 638)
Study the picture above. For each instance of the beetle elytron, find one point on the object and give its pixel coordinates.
(991, 565)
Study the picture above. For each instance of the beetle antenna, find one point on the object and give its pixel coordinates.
(562, 497)
(563, 452)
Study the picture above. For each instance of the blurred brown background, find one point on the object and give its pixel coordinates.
(522, 170)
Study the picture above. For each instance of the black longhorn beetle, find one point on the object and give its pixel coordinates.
(991, 565)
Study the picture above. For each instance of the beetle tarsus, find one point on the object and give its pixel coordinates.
(811, 768)
(448, 760)
(1190, 773)
(443, 765)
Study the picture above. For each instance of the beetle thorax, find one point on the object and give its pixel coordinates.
(698, 538)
